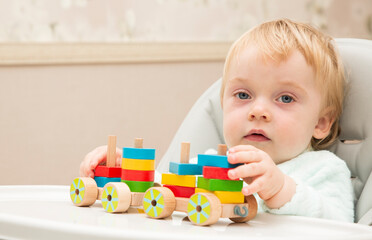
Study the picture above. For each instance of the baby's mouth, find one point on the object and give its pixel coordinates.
(256, 136)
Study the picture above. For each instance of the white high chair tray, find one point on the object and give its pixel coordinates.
(46, 212)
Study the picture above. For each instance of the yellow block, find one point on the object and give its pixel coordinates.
(178, 180)
(138, 164)
(225, 197)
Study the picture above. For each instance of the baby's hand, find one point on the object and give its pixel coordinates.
(96, 157)
(260, 173)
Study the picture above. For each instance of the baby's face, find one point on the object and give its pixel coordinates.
(272, 106)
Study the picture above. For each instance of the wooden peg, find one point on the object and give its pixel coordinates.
(138, 143)
(222, 149)
(185, 152)
(111, 151)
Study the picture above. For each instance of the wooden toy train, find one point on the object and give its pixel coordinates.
(201, 190)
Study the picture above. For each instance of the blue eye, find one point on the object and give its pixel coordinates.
(285, 99)
(243, 95)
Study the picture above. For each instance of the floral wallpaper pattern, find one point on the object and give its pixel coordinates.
(171, 20)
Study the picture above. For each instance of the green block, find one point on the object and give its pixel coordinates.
(220, 185)
(137, 186)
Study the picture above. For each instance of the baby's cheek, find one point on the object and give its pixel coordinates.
(295, 140)
(227, 136)
(230, 131)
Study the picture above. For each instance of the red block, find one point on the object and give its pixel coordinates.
(110, 172)
(137, 175)
(180, 191)
(216, 173)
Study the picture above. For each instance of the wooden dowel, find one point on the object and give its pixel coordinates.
(111, 151)
(181, 204)
(138, 143)
(99, 192)
(136, 199)
(222, 149)
(185, 152)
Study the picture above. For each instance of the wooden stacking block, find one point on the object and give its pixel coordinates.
(185, 168)
(102, 181)
(136, 175)
(215, 161)
(230, 197)
(216, 173)
(225, 196)
(139, 153)
(110, 172)
(137, 186)
(219, 185)
(179, 191)
(138, 164)
(178, 180)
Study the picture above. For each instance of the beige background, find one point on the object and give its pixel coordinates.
(51, 115)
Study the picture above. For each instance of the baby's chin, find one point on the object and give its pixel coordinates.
(279, 161)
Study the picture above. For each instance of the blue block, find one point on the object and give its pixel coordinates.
(185, 168)
(102, 181)
(139, 153)
(215, 161)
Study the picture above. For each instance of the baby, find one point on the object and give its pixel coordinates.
(282, 95)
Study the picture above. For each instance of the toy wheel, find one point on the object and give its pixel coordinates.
(116, 197)
(83, 191)
(247, 213)
(159, 202)
(204, 208)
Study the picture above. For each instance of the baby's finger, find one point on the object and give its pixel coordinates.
(119, 154)
(98, 155)
(254, 187)
(239, 148)
(85, 171)
(245, 157)
(90, 174)
(247, 171)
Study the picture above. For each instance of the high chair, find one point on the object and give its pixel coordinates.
(203, 124)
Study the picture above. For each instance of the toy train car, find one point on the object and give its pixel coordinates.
(214, 195)
(118, 188)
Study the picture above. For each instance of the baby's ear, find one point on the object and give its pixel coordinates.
(324, 124)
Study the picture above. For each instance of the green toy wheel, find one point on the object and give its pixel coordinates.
(204, 209)
(83, 191)
(116, 197)
(159, 202)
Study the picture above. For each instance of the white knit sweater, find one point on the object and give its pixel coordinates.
(323, 190)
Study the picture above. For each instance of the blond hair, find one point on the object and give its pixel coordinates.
(277, 40)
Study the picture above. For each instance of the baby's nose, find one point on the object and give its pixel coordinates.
(259, 112)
